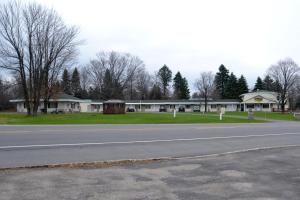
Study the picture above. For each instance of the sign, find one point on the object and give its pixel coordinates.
(223, 110)
(258, 99)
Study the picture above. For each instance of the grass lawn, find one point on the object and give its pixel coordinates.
(267, 115)
(129, 118)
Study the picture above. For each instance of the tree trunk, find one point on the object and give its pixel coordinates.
(25, 91)
(205, 102)
(282, 102)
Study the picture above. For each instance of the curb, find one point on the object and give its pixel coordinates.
(90, 165)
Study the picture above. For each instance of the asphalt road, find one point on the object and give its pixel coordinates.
(39, 145)
(255, 175)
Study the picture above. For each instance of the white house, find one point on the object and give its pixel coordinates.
(188, 105)
(261, 101)
(257, 101)
(61, 103)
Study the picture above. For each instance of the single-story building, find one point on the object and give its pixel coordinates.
(114, 107)
(261, 101)
(257, 101)
(188, 105)
(60, 103)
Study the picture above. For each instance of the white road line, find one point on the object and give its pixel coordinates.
(234, 152)
(143, 141)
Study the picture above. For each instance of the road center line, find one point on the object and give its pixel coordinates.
(142, 141)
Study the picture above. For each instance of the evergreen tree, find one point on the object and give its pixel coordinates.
(268, 83)
(221, 79)
(185, 91)
(177, 81)
(107, 86)
(155, 93)
(232, 88)
(94, 93)
(165, 77)
(242, 85)
(258, 85)
(84, 94)
(75, 83)
(180, 85)
(66, 82)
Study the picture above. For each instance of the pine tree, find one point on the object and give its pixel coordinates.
(75, 83)
(242, 85)
(185, 91)
(94, 93)
(180, 85)
(232, 88)
(155, 93)
(221, 79)
(66, 83)
(268, 83)
(177, 81)
(258, 85)
(84, 94)
(165, 76)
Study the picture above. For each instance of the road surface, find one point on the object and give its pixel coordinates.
(255, 175)
(51, 144)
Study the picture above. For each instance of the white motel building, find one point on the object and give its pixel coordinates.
(256, 101)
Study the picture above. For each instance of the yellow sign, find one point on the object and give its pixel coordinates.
(258, 99)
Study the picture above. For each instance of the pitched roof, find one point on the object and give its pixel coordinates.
(58, 97)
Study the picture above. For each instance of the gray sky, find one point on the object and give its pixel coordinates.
(247, 36)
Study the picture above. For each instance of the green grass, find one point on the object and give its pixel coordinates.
(129, 118)
(267, 115)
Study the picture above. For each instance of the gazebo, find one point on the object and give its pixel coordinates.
(114, 106)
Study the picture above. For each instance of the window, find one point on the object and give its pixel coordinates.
(250, 105)
(52, 105)
(147, 106)
(73, 105)
(213, 106)
(188, 106)
(265, 105)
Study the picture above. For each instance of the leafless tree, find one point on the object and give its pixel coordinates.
(36, 44)
(286, 72)
(122, 67)
(205, 86)
(143, 83)
(85, 78)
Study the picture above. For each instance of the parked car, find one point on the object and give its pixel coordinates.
(181, 109)
(57, 112)
(196, 109)
(162, 109)
(130, 110)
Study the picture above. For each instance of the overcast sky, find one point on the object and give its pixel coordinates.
(191, 36)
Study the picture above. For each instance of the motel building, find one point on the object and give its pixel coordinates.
(265, 101)
(256, 101)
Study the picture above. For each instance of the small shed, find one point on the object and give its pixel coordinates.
(114, 107)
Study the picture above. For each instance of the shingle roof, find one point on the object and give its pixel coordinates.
(181, 101)
(114, 101)
(63, 96)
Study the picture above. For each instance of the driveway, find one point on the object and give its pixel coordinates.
(255, 175)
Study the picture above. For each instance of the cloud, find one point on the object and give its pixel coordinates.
(189, 36)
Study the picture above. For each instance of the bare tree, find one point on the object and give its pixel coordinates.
(143, 82)
(85, 78)
(205, 86)
(286, 73)
(35, 43)
(122, 68)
